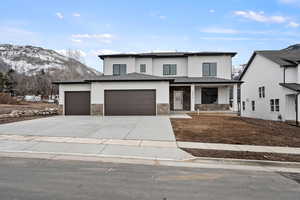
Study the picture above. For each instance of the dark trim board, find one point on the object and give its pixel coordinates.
(77, 103)
(130, 102)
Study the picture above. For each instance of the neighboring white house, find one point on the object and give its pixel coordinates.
(272, 84)
(154, 83)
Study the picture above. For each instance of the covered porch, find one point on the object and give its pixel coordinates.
(204, 97)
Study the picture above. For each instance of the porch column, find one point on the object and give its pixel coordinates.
(235, 98)
(192, 97)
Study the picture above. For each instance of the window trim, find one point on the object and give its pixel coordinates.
(143, 66)
(168, 68)
(118, 69)
(210, 64)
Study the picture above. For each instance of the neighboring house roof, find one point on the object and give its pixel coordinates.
(204, 80)
(168, 54)
(146, 77)
(291, 86)
(288, 57)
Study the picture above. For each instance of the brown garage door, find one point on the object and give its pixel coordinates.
(130, 102)
(77, 103)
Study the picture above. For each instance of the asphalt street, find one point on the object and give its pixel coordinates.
(36, 179)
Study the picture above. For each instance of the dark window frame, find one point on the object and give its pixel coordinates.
(211, 72)
(277, 105)
(169, 69)
(253, 105)
(117, 69)
(244, 105)
(143, 68)
(272, 105)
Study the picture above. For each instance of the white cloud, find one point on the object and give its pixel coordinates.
(103, 51)
(104, 38)
(212, 11)
(240, 38)
(261, 17)
(219, 30)
(59, 15)
(76, 15)
(76, 40)
(162, 17)
(289, 1)
(293, 25)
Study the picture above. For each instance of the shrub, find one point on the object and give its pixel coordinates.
(5, 98)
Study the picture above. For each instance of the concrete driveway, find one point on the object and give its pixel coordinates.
(123, 127)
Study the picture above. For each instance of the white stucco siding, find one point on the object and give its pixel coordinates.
(291, 75)
(298, 74)
(147, 62)
(71, 87)
(224, 65)
(180, 62)
(161, 87)
(223, 95)
(108, 64)
(263, 72)
(197, 95)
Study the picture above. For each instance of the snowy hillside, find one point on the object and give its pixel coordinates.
(31, 60)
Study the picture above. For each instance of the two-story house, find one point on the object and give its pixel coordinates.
(272, 85)
(154, 83)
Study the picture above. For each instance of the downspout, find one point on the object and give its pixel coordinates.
(284, 68)
(297, 109)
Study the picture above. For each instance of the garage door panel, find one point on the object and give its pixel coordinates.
(130, 102)
(77, 103)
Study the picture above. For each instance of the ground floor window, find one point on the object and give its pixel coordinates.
(253, 105)
(244, 105)
(274, 103)
(209, 95)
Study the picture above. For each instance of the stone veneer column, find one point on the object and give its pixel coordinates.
(96, 109)
(163, 108)
(61, 109)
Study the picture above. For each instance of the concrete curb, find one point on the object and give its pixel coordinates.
(212, 163)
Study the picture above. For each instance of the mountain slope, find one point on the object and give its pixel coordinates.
(30, 60)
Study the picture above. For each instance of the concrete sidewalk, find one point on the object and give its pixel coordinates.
(157, 150)
(234, 147)
(151, 143)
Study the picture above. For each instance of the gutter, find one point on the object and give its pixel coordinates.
(297, 109)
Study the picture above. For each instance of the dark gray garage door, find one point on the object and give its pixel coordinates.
(130, 102)
(77, 103)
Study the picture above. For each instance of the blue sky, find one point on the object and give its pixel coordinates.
(96, 26)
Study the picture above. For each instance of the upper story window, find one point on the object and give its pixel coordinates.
(119, 69)
(169, 69)
(261, 91)
(209, 69)
(143, 68)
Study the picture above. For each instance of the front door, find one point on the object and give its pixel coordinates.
(178, 100)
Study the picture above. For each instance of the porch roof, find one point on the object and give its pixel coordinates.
(291, 86)
(206, 80)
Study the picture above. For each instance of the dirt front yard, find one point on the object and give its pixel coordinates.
(216, 128)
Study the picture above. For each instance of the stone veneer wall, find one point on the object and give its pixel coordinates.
(212, 107)
(96, 109)
(60, 109)
(163, 108)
